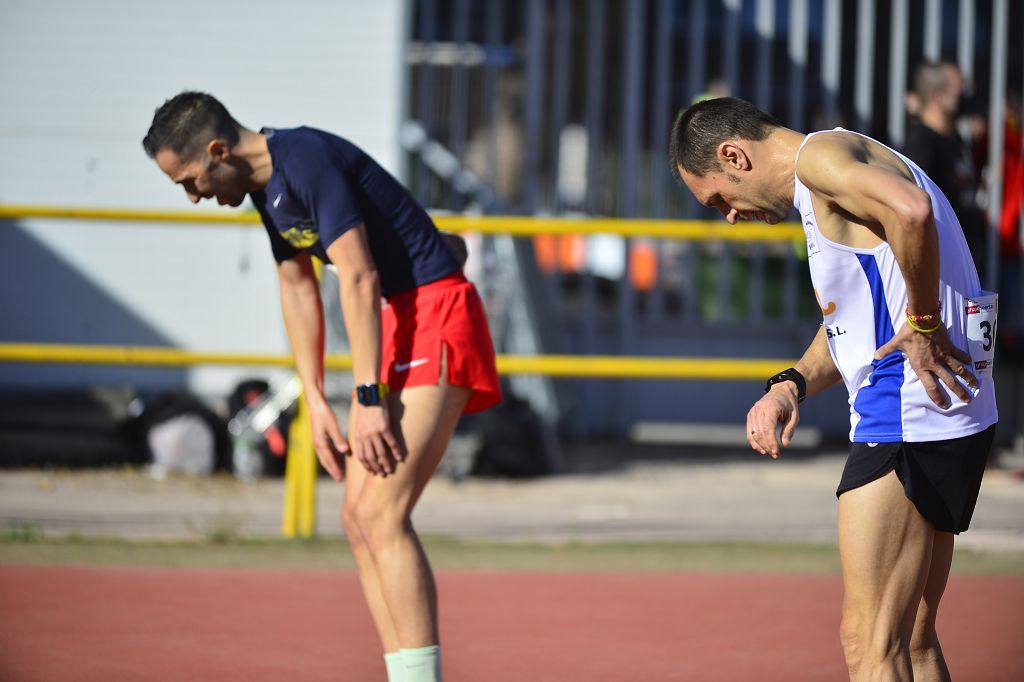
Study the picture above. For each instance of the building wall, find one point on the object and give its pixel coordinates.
(80, 82)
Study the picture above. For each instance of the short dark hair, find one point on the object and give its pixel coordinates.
(930, 77)
(187, 122)
(699, 130)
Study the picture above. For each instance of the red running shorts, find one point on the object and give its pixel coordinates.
(442, 316)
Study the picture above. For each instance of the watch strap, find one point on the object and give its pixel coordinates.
(371, 394)
(793, 375)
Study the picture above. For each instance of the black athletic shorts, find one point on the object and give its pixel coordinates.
(942, 478)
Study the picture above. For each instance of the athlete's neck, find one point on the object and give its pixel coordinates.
(252, 148)
(778, 153)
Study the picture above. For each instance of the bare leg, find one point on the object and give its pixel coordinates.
(885, 547)
(925, 651)
(355, 478)
(400, 588)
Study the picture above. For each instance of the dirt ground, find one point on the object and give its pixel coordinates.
(650, 495)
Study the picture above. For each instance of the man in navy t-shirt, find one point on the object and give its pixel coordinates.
(419, 362)
(322, 186)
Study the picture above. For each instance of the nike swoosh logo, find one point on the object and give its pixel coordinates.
(277, 200)
(406, 366)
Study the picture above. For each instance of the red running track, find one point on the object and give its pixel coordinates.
(61, 624)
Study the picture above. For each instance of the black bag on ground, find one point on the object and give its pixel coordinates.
(513, 442)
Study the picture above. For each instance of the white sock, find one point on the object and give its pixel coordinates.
(396, 669)
(422, 664)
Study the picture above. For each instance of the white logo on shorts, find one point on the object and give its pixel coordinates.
(406, 366)
(277, 200)
(872, 445)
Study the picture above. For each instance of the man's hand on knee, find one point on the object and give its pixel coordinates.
(373, 442)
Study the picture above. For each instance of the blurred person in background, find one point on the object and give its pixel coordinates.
(419, 361)
(939, 97)
(892, 272)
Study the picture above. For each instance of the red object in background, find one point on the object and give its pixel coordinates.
(1013, 190)
(276, 442)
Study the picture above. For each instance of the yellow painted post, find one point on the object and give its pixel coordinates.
(298, 518)
(290, 511)
(308, 469)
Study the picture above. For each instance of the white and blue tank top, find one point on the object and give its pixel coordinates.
(863, 299)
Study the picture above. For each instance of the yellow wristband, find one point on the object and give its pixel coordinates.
(924, 330)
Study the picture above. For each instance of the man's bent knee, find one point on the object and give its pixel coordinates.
(350, 525)
(868, 648)
(925, 652)
(379, 525)
(925, 637)
(925, 649)
(852, 636)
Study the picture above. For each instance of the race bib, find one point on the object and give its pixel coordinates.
(981, 311)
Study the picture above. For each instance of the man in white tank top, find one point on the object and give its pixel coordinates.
(896, 285)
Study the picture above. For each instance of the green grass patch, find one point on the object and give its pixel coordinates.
(29, 546)
(21, 533)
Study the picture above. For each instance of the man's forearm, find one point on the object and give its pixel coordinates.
(914, 242)
(360, 306)
(304, 322)
(817, 366)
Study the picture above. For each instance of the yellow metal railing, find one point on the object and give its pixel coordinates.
(517, 226)
(594, 366)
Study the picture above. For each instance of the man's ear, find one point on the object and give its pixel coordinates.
(218, 149)
(733, 157)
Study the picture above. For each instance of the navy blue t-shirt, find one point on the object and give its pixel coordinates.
(322, 186)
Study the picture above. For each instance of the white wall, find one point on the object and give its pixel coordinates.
(80, 82)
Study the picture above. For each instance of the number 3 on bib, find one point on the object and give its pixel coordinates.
(981, 312)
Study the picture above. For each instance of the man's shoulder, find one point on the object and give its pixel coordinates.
(286, 141)
(838, 149)
(838, 140)
(304, 150)
(311, 135)
(826, 144)
(822, 150)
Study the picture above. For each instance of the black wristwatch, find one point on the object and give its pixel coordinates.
(789, 375)
(371, 394)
